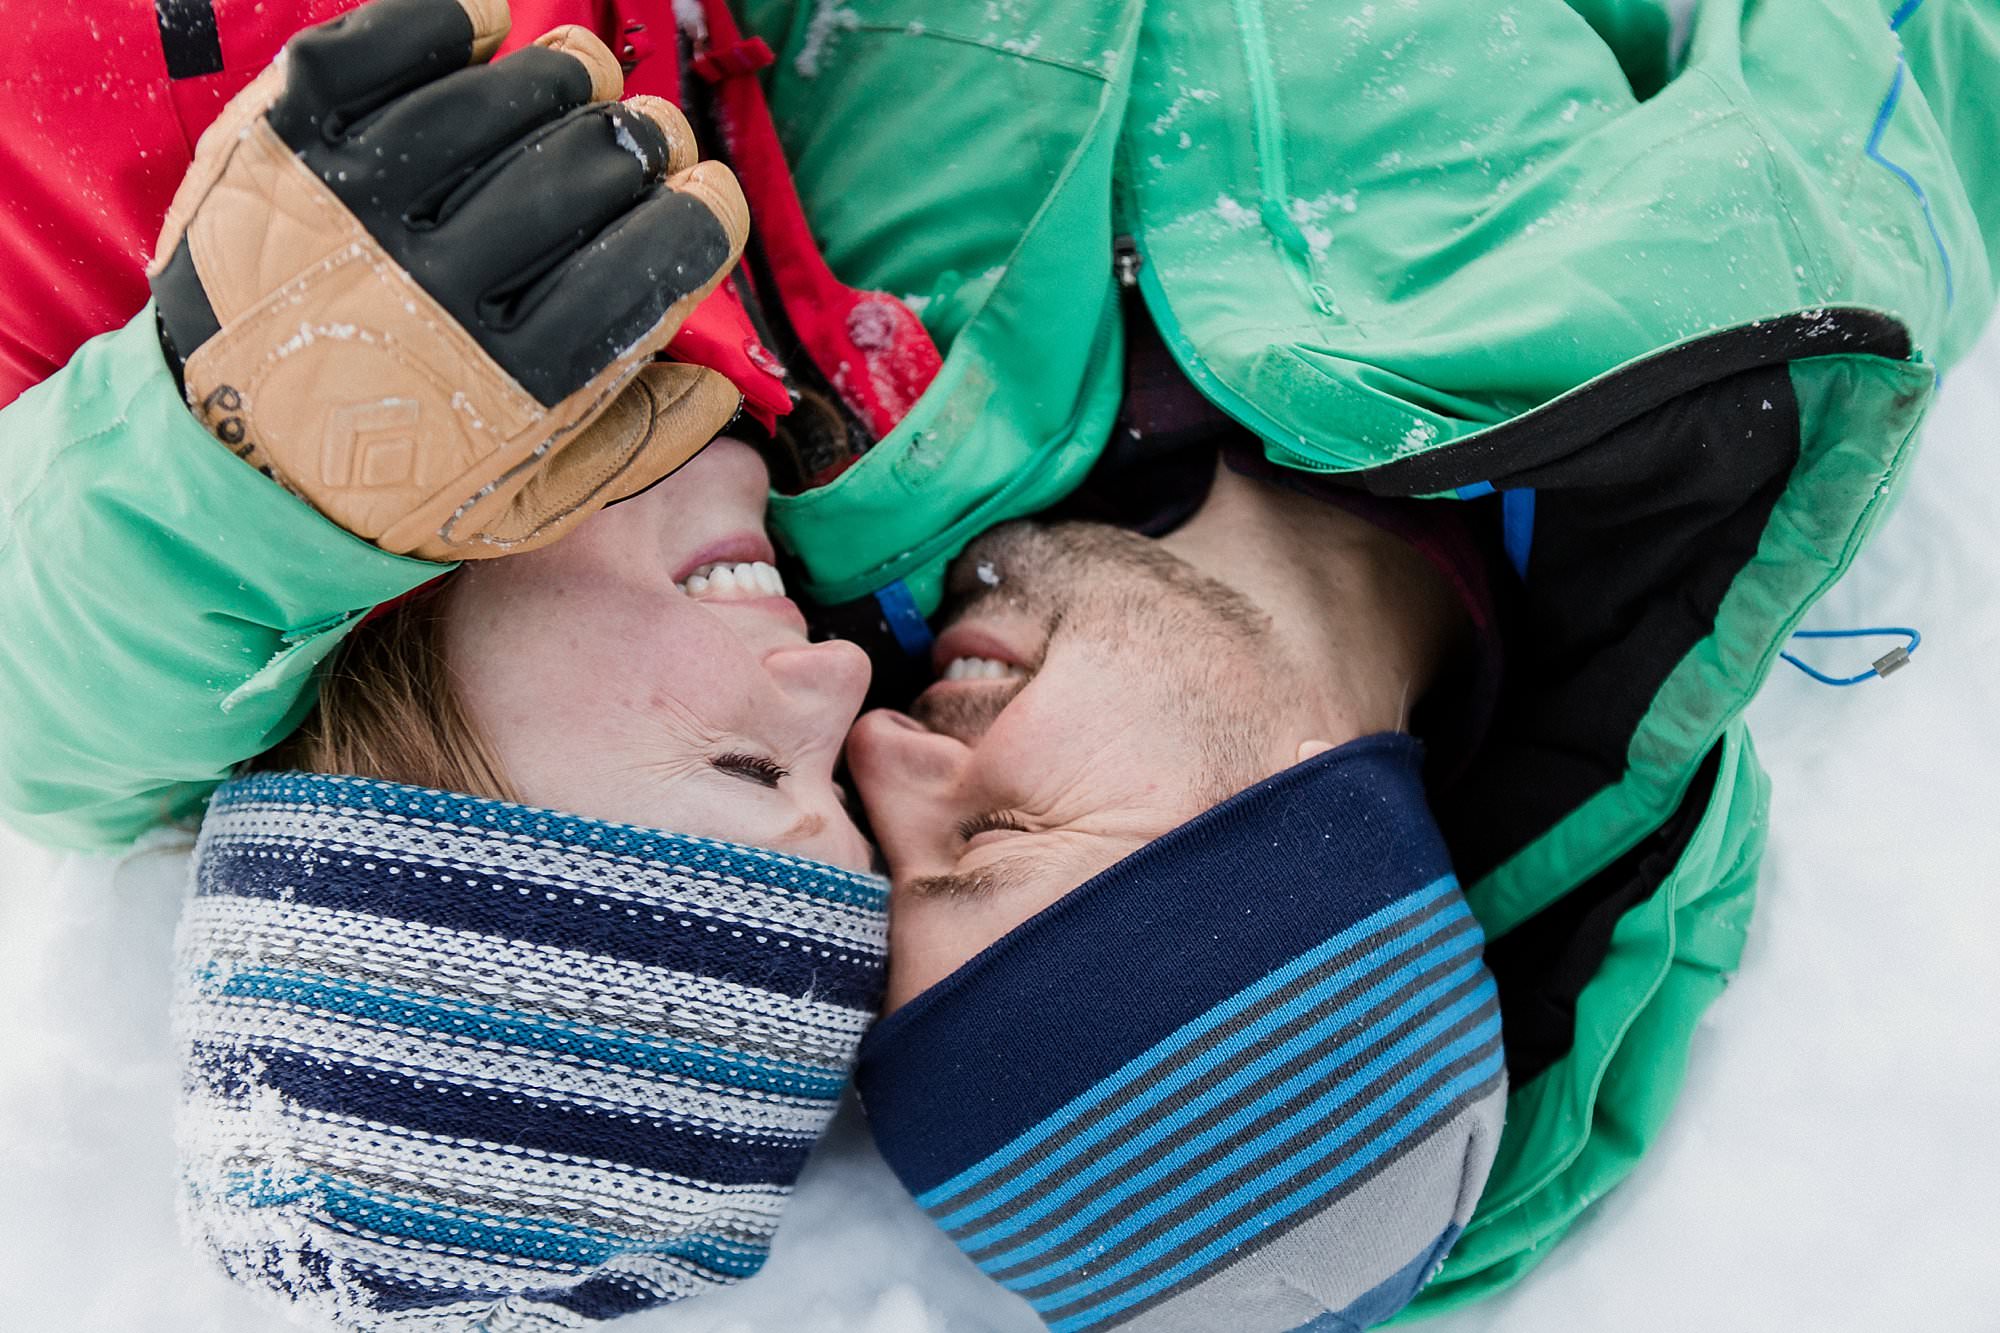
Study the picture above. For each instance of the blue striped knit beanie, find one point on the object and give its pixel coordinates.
(452, 1063)
(1249, 1078)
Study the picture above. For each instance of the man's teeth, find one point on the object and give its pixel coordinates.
(981, 668)
(740, 581)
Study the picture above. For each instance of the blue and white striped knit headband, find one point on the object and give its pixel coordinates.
(1249, 1078)
(453, 1063)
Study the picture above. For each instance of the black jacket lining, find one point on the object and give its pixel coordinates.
(1637, 540)
(1577, 421)
(1543, 964)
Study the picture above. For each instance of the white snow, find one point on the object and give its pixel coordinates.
(1235, 214)
(1308, 213)
(623, 133)
(829, 18)
(1178, 107)
(1417, 437)
(690, 19)
(1832, 1166)
(873, 325)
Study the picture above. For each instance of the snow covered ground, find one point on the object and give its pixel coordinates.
(1834, 1164)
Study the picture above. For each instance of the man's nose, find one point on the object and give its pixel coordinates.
(895, 747)
(910, 778)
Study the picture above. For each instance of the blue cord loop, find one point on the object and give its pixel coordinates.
(1893, 660)
(906, 620)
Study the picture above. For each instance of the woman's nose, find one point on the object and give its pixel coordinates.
(729, 464)
(831, 676)
(737, 455)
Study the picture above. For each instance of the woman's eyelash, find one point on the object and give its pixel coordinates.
(755, 767)
(988, 822)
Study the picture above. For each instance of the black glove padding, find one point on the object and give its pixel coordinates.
(403, 280)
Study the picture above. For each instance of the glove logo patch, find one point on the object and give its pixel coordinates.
(222, 412)
(369, 446)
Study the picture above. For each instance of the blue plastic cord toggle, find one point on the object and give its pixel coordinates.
(1893, 660)
(906, 622)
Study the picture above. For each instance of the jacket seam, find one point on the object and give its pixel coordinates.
(809, 501)
(1295, 254)
(34, 488)
(1780, 195)
(1054, 62)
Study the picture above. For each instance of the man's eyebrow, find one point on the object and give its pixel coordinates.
(1002, 876)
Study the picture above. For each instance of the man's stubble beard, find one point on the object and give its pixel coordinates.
(1202, 656)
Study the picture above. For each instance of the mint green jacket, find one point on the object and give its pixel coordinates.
(1677, 318)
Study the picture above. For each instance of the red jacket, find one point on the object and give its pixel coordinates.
(98, 122)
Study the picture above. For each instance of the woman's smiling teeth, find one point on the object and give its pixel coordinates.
(981, 668)
(734, 582)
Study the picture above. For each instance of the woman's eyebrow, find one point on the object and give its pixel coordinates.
(1001, 877)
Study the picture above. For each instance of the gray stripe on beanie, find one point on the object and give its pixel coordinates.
(580, 871)
(507, 1170)
(1082, 1125)
(1335, 1257)
(1221, 1226)
(359, 1086)
(1252, 1090)
(562, 982)
(1311, 1130)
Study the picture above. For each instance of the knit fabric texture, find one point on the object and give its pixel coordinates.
(1249, 1078)
(453, 1063)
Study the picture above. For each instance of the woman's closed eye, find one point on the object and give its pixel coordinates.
(751, 768)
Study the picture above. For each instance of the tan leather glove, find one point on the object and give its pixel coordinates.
(408, 284)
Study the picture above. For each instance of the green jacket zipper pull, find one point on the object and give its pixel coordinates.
(1126, 260)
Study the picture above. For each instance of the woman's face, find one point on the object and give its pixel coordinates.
(614, 679)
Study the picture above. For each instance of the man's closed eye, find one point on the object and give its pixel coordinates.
(989, 821)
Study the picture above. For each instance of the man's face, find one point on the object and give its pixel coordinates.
(1131, 693)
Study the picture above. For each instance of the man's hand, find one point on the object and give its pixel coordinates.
(408, 284)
